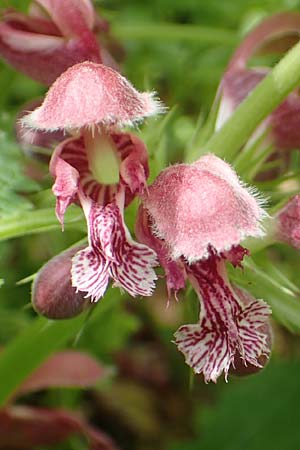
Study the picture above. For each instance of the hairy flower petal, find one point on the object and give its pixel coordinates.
(90, 94)
(201, 205)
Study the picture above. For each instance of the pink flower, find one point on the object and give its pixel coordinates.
(54, 36)
(200, 213)
(102, 169)
(287, 223)
(239, 80)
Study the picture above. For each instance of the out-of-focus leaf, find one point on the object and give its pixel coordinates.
(26, 428)
(38, 221)
(11, 323)
(14, 182)
(68, 368)
(30, 348)
(261, 412)
(264, 283)
(38, 341)
(110, 332)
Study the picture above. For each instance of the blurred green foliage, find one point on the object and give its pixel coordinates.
(147, 404)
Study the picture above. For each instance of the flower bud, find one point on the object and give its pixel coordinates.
(52, 293)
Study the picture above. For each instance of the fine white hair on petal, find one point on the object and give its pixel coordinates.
(90, 94)
(203, 205)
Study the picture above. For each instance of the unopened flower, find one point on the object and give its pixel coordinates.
(200, 213)
(239, 80)
(54, 36)
(102, 169)
(287, 223)
(52, 293)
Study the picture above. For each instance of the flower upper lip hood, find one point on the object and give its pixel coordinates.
(54, 36)
(201, 206)
(93, 95)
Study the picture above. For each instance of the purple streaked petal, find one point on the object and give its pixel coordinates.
(134, 167)
(90, 273)
(205, 350)
(251, 323)
(128, 263)
(135, 271)
(231, 322)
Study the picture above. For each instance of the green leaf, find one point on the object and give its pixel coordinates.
(39, 340)
(38, 221)
(29, 349)
(12, 176)
(264, 283)
(260, 412)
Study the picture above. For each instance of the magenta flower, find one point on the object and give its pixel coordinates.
(102, 169)
(239, 80)
(54, 36)
(200, 213)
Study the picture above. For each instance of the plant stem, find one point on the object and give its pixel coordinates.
(172, 32)
(259, 104)
(37, 221)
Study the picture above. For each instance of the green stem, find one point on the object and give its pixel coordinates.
(37, 221)
(172, 32)
(259, 104)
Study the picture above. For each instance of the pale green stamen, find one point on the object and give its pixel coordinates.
(103, 157)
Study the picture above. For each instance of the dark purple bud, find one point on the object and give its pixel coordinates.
(52, 293)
